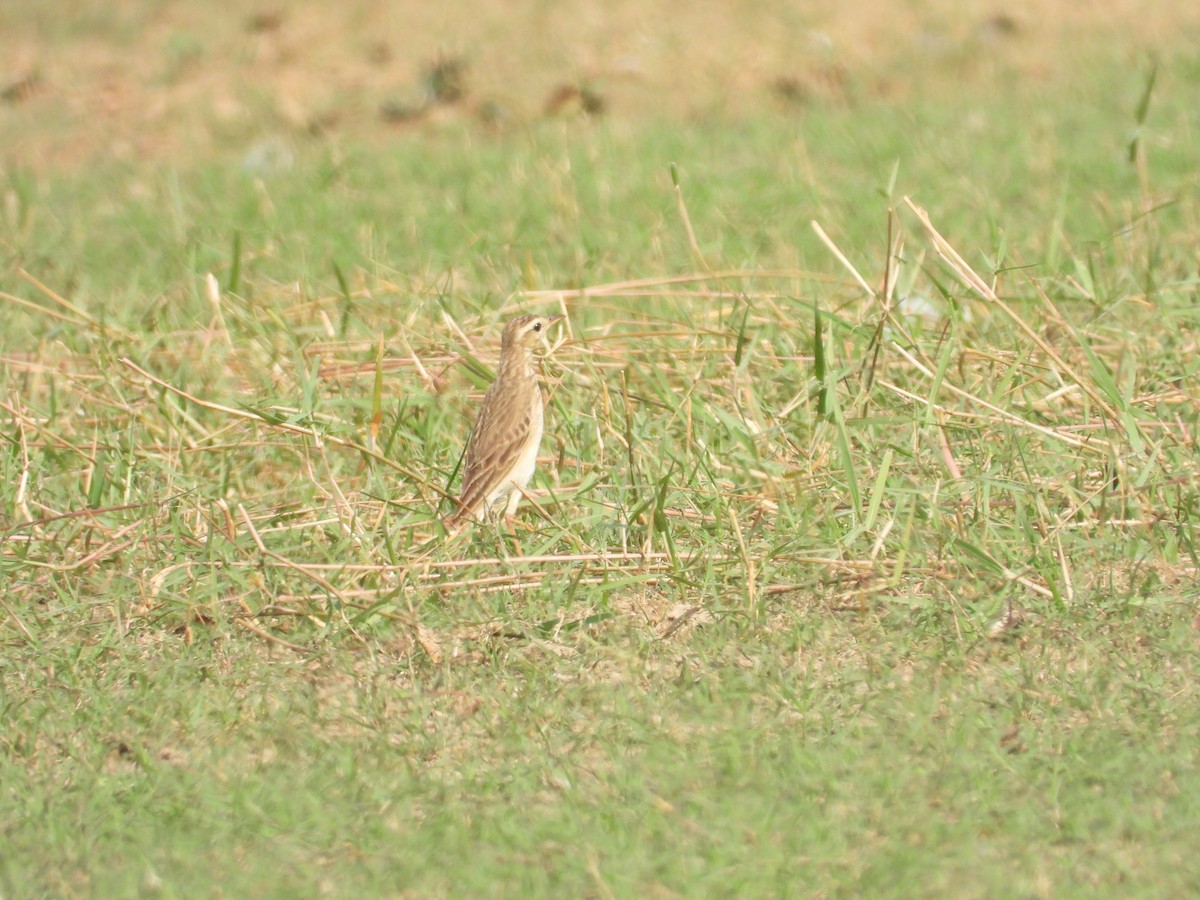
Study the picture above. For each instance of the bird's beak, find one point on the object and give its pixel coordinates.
(551, 320)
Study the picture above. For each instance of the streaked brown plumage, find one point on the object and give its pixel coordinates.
(502, 450)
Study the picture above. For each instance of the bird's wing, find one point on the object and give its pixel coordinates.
(500, 436)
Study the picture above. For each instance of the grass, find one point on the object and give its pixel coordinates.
(831, 595)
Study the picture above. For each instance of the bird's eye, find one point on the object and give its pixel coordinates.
(537, 326)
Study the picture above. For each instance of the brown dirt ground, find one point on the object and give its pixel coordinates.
(146, 80)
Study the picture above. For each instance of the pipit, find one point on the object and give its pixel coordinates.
(502, 450)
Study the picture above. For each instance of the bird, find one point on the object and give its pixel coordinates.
(502, 449)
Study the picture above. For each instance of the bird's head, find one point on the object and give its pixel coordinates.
(525, 331)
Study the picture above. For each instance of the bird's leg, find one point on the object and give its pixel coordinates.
(493, 524)
(510, 520)
(517, 546)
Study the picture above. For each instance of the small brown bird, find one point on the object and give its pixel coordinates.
(502, 450)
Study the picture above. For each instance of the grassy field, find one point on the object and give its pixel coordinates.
(865, 556)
